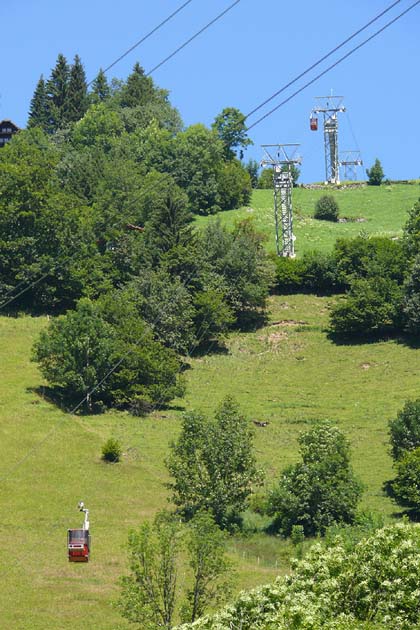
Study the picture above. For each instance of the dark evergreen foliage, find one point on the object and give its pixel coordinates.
(38, 112)
(375, 174)
(57, 90)
(76, 98)
(100, 88)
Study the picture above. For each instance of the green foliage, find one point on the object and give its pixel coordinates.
(319, 491)
(148, 594)
(100, 88)
(405, 429)
(253, 168)
(238, 257)
(112, 450)
(412, 232)
(231, 129)
(211, 579)
(315, 272)
(38, 112)
(372, 306)
(213, 465)
(77, 99)
(411, 302)
(405, 487)
(326, 208)
(196, 164)
(57, 88)
(375, 174)
(372, 587)
(266, 179)
(151, 596)
(78, 350)
(234, 185)
(362, 257)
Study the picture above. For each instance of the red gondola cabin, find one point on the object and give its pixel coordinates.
(78, 545)
(313, 121)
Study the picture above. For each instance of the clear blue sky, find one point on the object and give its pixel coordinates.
(254, 50)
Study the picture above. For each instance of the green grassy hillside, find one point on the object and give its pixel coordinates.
(288, 373)
(383, 211)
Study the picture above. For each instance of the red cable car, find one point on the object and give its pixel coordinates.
(78, 540)
(313, 122)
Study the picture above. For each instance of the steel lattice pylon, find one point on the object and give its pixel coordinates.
(329, 108)
(280, 158)
(350, 160)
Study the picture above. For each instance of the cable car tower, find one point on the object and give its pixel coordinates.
(281, 157)
(329, 107)
(351, 160)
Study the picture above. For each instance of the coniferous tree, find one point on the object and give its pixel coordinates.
(57, 88)
(38, 112)
(139, 89)
(100, 88)
(76, 98)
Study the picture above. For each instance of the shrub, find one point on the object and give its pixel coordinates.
(326, 208)
(371, 587)
(112, 450)
(362, 257)
(319, 491)
(375, 174)
(405, 488)
(405, 429)
(315, 272)
(372, 306)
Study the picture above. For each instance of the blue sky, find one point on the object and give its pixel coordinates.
(254, 50)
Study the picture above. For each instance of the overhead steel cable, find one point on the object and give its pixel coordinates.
(143, 39)
(336, 63)
(204, 28)
(331, 52)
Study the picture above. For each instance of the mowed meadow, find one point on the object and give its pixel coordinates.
(289, 374)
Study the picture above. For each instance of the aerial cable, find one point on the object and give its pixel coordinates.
(175, 52)
(314, 65)
(143, 39)
(336, 63)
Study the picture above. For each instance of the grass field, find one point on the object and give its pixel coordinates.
(383, 209)
(288, 373)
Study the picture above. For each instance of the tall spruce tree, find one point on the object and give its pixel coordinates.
(57, 88)
(139, 89)
(100, 88)
(38, 111)
(76, 99)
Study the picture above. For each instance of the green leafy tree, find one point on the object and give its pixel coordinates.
(231, 129)
(375, 174)
(234, 185)
(139, 89)
(211, 579)
(198, 157)
(100, 88)
(411, 301)
(405, 429)
(266, 179)
(326, 208)
(38, 112)
(76, 97)
(151, 595)
(376, 256)
(253, 168)
(319, 491)
(213, 465)
(412, 232)
(405, 487)
(57, 89)
(105, 353)
(148, 595)
(372, 306)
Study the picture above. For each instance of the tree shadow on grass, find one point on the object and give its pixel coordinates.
(340, 339)
(56, 397)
